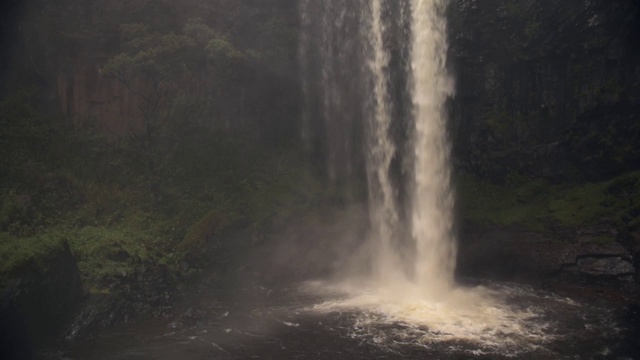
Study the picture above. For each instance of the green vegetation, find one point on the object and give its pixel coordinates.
(18, 254)
(208, 147)
(539, 205)
(120, 205)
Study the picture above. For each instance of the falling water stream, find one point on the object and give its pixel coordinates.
(360, 31)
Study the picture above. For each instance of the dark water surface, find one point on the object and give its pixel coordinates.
(262, 323)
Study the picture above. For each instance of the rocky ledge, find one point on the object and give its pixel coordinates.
(515, 254)
(38, 298)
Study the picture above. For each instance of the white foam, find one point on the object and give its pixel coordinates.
(474, 316)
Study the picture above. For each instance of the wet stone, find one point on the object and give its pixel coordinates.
(614, 266)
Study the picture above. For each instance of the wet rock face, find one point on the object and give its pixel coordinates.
(518, 255)
(545, 88)
(37, 303)
(602, 265)
(146, 291)
(636, 261)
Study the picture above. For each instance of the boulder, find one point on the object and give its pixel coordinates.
(521, 255)
(602, 265)
(38, 299)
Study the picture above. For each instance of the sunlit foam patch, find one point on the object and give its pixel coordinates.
(477, 320)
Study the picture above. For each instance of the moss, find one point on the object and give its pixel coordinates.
(484, 202)
(539, 205)
(106, 253)
(212, 223)
(13, 208)
(17, 254)
(604, 239)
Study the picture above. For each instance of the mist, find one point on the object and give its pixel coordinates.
(319, 179)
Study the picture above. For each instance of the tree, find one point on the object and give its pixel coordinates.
(151, 66)
(174, 74)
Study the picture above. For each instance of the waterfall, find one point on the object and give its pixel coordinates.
(432, 208)
(358, 99)
(330, 56)
(380, 151)
(380, 71)
(303, 56)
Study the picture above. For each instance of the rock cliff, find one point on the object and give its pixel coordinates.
(546, 89)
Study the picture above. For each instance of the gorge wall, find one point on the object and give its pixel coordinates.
(83, 92)
(63, 50)
(546, 89)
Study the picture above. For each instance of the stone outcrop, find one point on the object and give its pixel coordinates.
(602, 265)
(84, 93)
(514, 254)
(37, 301)
(545, 89)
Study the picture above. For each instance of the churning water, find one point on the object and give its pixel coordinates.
(284, 323)
(496, 319)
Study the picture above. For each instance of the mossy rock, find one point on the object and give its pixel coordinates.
(201, 234)
(23, 255)
(538, 205)
(40, 289)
